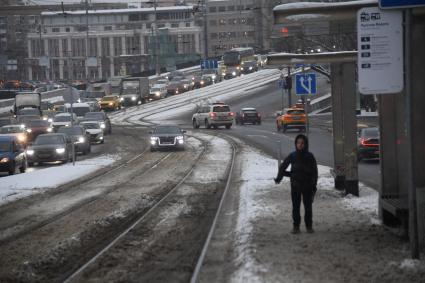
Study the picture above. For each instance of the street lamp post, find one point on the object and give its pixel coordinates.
(157, 67)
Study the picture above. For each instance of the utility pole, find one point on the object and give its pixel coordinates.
(157, 67)
(87, 40)
(204, 9)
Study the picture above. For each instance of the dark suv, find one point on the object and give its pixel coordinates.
(248, 115)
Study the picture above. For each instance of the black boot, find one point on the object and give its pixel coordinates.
(295, 230)
(310, 229)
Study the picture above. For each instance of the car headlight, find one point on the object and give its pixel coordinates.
(29, 130)
(22, 138)
(213, 77)
(233, 73)
(81, 139)
(60, 150)
(49, 129)
(242, 69)
(101, 137)
(22, 126)
(4, 160)
(133, 98)
(79, 100)
(177, 92)
(50, 120)
(179, 137)
(30, 151)
(103, 126)
(153, 140)
(250, 68)
(44, 118)
(223, 74)
(110, 104)
(202, 82)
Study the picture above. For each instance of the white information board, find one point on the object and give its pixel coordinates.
(380, 51)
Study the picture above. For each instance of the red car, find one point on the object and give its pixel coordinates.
(35, 128)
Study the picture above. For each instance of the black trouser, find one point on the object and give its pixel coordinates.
(307, 196)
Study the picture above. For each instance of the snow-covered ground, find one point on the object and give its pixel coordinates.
(22, 185)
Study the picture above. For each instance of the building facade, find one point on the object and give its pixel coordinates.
(236, 23)
(104, 43)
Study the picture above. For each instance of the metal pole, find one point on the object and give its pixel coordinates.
(87, 40)
(307, 120)
(413, 221)
(157, 67)
(72, 124)
(289, 89)
(279, 154)
(204, 9)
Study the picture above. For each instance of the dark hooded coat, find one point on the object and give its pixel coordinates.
(303, 172)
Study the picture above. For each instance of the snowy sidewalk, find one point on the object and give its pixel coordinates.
(349, 245)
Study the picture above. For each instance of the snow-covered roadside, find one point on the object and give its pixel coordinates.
(349, 245)
(22, 185)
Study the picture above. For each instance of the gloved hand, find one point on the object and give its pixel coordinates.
(275, 181)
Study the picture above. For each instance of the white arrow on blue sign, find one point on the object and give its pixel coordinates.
(305, 84)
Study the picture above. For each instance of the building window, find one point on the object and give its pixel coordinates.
(222, 22)
(78, 47)
(53, 47)
(243, 21)
(188, 25)
(174, 25)
(37, 47)
(105, 46)
(222, 9)
(133, 17)
(148, 25)
(117, 46)
(161, 25)
(250, 21)
(56, 30)
(230, 8)
(163, 16)
(132, 45)
(67, 29)
(239, 8)
(107, 28)
(232, 21)
(65, 47)
(92, 47)
(213, 9)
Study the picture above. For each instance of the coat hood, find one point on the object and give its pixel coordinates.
(301, 136)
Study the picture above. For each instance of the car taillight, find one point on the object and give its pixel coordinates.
(213, 114)
(258, 115)
(366, 142)
(286, 116)
(231, 114)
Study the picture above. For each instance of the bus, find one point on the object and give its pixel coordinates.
(234, 59)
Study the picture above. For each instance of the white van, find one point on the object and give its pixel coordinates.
(157, 91)
(79, 109)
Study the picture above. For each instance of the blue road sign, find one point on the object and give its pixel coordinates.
(209, 64)
(305, 84)
(396, 4)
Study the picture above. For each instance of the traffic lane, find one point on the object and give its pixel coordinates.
(124, 140)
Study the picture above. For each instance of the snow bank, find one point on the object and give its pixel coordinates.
(22, 185)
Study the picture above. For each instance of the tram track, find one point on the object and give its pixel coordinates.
(141, 231)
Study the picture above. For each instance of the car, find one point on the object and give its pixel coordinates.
(15, 130)
(206, 80)
(110, 102)
(101, 117)
(46, 105)
(292, 118)
(79, 137)
(157, 92)
(213, 115)
(93, 103)
(174, 74)
(175, 87)
(37, 127)
(4, 121)
(167, 137)
(50, 148)
(186, 84)
(63, 119)
(249, 67)
(23, 120)
(368, 143)
(213, 74)
(248, 115)
(197, 82)
(93, 128)
(59, 108)
(80, 109)
(12, 155)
